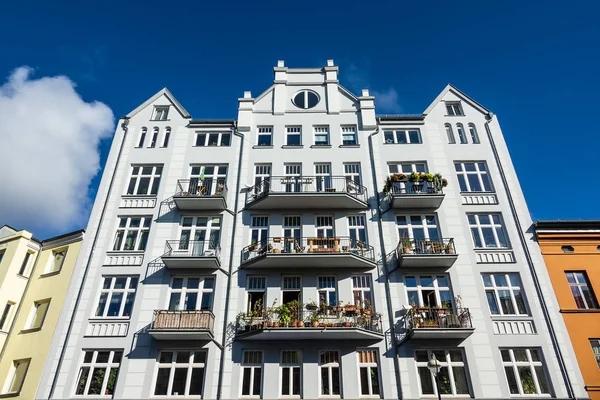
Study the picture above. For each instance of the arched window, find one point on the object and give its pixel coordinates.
(142, 137)
(474, 135)
(462, 136)
(154, 137)
(167, 136)
(450, 134)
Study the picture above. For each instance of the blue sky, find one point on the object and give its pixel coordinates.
(534, 64)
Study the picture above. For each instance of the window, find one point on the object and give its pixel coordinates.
(487, 231)
(142, 137)
(213, 139)
(473, 177)
(208, 179)
(462, 136)
(361, 290)
(305, 99)
(259, 231)
(145, 180)
(5, 318)
(1, 255)
(454, 108)
(252, 373)
(369, 374)
(117, 296)
(154, 137)
(323, 177)
(329, 366)
(428, 291)
(525, 372)
(321, 135)
(326, 290)
(292, 180)
(98, 373)
(452, 377)
(291, 289)
(325, 226)
(166, 137)
(262, 175)
(25, 264)
(56, 261)
(407, 168)
(256, 288)
(180, 373)
(132, 234)
(418, 227)
(450, 134)
(581, 290)
(292, 232)
(349, 136)
(504, 294)
(402, 136)
(290, 373)
(161, 113)
(265, 136)
(352, 173)
(357, 230)
(191, 293)
(567, 249)
(16, 376)
(37, 315)
(595, 343)
(293, 136)
(201, 235)
(473, 133)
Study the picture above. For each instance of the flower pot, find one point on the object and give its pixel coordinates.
(336, 309)
(347, 324)
(321, 324)
(315, 324)
(295, 324)
(406, 250)
(275, 324)
(300, 324)
(277, 251)
(350, 308)
(268, 324)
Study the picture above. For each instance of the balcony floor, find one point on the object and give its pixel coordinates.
(181, 334)
(296, 200)
(441, 333)
(191, 203)
(187, 262)
(422, 200)
(308, 260)
(336, 333)
(426, 260)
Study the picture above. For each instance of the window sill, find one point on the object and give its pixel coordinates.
(108, 319)
(459, 115)
(580, 310)
(160, 120)
(22, 276)
(7, 395)
(30, 330)
(292, 146)
(350, 145)
(513, 317)
(118, 252)
(320, 146)
(48, 274)
(262, 147)
(483, 249)
(477, 193)
(145, 196)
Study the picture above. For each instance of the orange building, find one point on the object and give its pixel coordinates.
(571, 251)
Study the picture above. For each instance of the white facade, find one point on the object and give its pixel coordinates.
(310, 196)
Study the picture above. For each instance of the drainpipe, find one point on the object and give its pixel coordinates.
(89, 261)
(536, 281)
(231, 251)
(383, 254)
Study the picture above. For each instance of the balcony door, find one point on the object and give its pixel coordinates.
(325, 233)
(208, 180)
(429, 291)
(292, 180)
(323, 177)
(422, 230)
(262, 175)
(292, 232)
(191, 293)
(259, 231)
(406, 169)
(199, 235)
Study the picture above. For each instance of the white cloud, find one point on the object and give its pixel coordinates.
(387, 100)
(49, 139)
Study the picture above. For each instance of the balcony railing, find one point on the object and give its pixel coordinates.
(188, 320)
(436, 246)
(415, 188)
(308, 245)
(192, 248)
(307, 184)
(202, 187)
(438, 318)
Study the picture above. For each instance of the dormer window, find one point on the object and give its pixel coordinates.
(453, 108)
(305, 99)
(160, 113)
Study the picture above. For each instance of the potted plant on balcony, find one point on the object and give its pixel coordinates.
(405, 244)
(417, 182)
(253, 246)
(367, 309)
(285, 314)
(312, 305)
(241, 321)
(220, 188)
(350, 308)
(347, 323)
(449, 248)
(314, 318)
(338, 308)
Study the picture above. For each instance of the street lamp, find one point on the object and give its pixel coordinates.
(434, 366)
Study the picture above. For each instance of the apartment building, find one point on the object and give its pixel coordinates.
(31, 321)
(310, 249)
(571, 251)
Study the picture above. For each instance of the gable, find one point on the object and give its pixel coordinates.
(161, 98)
(450, 93)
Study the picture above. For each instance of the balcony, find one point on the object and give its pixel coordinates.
(192, 254)
(308, 252)
(201, 194)
(425, 253)
(318, 323)
(307, 192)
(439, 323)
(415, 195)
(182, 325)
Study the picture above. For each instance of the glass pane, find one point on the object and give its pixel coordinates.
(414, 136)
(426, 281)
(462, 183)
(520, 302)
(512, 381)
(476, 237)
(455, 355)
(87, 358)
(470, 167)
(115, 305)
(374, 380)
(285, 381)
(474, 182)
(83, 375)
(246, 382)
(413, 298)
(97, 381)
(197, 381)
(410, 281)
(166, 357)
(325, 381)
(183, 357)
(112, 380)
(542, 381)
(502, 241)
(492, 302)
(421, 356)
(487, 281)
(206, 301)
(120, 283)
(296, 381)
(426, 381)
(460, 380)
(364, 380)
(388, 137)
(506, 302)
(487, 184)
(335, 380)
(143, 186)
(177, 283)
(101, 305)
(442, 281)
(526, 380)
(535, 355)
(190, 301)
(131, 187)
(257, 381)
(520, 355)
(102, 357)
(488, 237)
(117, 356)
(179, 378)
(401, 137)
(500, 280)
(514, 280)
(133, 283)
(505, 355)
(484, 219)
(128, 304)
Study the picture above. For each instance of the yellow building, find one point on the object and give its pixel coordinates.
(33, 291)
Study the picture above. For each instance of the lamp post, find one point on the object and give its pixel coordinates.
(434, 366)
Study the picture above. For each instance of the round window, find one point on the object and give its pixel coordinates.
(306, 99)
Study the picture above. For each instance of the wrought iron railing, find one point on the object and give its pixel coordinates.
(183, 320)
(408, 246)
(307, 184)
(440, 318)
(308, 245)
(192, 248)
(415, 188)
(197, 187)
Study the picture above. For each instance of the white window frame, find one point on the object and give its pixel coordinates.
(174, 365)
(142, 138)
(212, 234)
(402, 132)
(255, 284)
(462, 136)
(293, 223)
(325, 286)
(161, 113)
(94, 365)
(473, 133)
(210, 181)
(124, 227)
(5, 318)
(201, 291)
(480, 169)
(362, 290)
(321, 130)
(352, 172)
(259, 229)
(368, 359)
(437, 289)
(450, 134)
(138, 173)
(37, 315)
(349, 130)
(425, 225)
(447, 363)
(24, 269)
(357, 229)
(293, 131)
(262, 172)
(207, 139)
(252, 362)
(329, 366)
(407, 168)
(264, 131)
(324, 223)
(56, 261)
(166, 137)
(477, 225)
(292, 365)
(531, 364)
(454, 109)
(577, 284)
(14, 382)
(154, 139)
(493, 288)
(130, 289)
